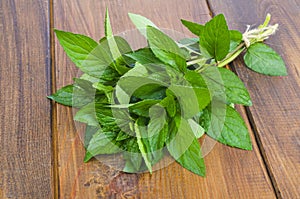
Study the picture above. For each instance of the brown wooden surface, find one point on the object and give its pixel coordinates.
(276, 111)
(31, 168)
(25, 135)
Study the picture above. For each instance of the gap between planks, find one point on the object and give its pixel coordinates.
(54, 132)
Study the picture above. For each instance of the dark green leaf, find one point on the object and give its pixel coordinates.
(195, 28)
(226, 126)
(215, 38)
(263, 59)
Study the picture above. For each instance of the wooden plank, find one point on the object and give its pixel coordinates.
(276, 110)
(25, 136)
(231, 173)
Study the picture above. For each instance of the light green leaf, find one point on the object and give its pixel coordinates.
(144, 56)
(87, 115)
(229, 129)
(77, 46)
(195, 28)
(263, 59)
(215, 38)
(226, 84)
(101, 143)
(114, 47)
(235, 39)
(142, 147)
(196, 128)
(169, 103)
(89, 132)
(157, 120)
(142, 108)
(184, 147)
(166, 49)
(72, 96)
(141, 23)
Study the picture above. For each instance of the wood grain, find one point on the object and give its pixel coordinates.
(276, 110)
(25, 136)
(231, 173)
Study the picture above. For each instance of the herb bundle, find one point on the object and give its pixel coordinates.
(162, 98)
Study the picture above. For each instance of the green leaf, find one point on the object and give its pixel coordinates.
(77, 46)
(195, 28)
(114, 47)
(87, 115)
(192, 94)
(169, 103)
(166, 49)
(215, 38)
(142, 108)
(227, 85)
(142, 146)
(107, 90)
(150, 91)
(144, 56)
(235, 39)
(157, 120)
(89, 132)
(196, 128)
(101, 143)
(72, 96)
(228, 127)
(184, 147)
(141, 23)
(263, 59)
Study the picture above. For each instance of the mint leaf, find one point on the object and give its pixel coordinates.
(101, 143)
(195, 28)
(89, 132)
(72, 96)
(87, 115)
(263, 59)
(184, 147)
(141, 23)
(114, 47)
(196, 128)
(144, 56)
(142, 108)
(227, 86)
(166, 49)
(215, 38)
(169, 103)
(228, 127)
(77, 46)
(157, 121)
(141, 145)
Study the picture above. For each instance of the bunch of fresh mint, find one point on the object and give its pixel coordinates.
(162, 98)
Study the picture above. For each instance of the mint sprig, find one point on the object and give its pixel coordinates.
(164, 97)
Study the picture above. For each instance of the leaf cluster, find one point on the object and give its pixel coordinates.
(162, 98)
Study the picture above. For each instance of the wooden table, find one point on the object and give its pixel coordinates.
(41, 154)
